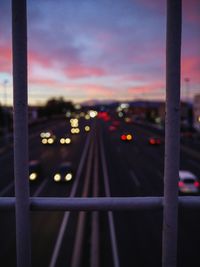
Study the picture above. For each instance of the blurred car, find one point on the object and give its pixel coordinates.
(154, 140)
(188, 183)
(35, 170)
(75, 130)
(126, 137)
(47, 138)
(65, 140)
(64, 173)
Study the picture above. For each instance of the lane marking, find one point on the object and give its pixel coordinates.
(114, 247)
(134, 178)
(67, 213)
(40, 188)
(7, 189)
(77, 249)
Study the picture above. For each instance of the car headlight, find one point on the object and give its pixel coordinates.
(67, 140)
(44, 141)
(57, 177)
(50, 141)
(68, 177)
(33, 176)
(62, 141)
(87, 128)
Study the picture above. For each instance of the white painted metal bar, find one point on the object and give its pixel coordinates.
(19, 49)
(172, 133)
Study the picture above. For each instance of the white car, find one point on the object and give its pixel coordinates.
(188, 183)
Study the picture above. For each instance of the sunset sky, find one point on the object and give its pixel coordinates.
(99, 49)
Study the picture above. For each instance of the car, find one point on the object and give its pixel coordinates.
(64, 173)
(35, 170)
(188, 182)
(47, 138)
(126, 137)
(65, 140)
(154, 140)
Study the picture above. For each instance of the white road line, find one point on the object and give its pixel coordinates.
(134, 178)
(40, 188)
(115, 253)
(7, 189)
(77, 249)
(94, 252)
(67, 213)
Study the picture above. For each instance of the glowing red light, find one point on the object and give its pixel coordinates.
(123, 137)
(196, 184)
(180, 184)
(152, 141)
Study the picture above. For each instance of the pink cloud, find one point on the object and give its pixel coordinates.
(5, 59)
(190, 67)
(80, 71)
(147, 88)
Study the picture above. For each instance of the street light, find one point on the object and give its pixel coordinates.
(5, 82)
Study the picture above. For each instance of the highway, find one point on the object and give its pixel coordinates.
(104, 165)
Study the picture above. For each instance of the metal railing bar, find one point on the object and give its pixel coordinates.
(172, 133)
(19, 51)
(99, 203)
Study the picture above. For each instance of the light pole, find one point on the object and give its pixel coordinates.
(5, 82)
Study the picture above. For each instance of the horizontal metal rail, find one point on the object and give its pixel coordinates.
(99, 203)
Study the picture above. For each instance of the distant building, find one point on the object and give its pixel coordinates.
(196, 112)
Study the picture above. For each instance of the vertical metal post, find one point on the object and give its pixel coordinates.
(19, 39)
(172, 133)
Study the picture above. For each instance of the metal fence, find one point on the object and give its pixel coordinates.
(23, 204)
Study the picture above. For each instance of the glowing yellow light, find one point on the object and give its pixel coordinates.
(93, 113)
(62, 141)
(44, 141)
(57, 177)
(87, 116)
(198, 119)
(77, 130)
(48, 134)
(33, 176)
(50, 141)
(129, 137)
(67, 140)
(72, 130)
(68, 177)
(87, 128)
(42, 135)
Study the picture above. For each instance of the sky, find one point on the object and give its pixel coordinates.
(103, 50)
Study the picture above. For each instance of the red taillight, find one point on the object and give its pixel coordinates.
(123, 137)
(180, 184)
(152, 141)
(196, 184)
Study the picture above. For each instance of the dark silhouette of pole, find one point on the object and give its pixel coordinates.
(19, 48)
(172, 133)
(187, 80)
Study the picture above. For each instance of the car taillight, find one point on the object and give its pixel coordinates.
(152, 141)
(123, 137)
(196, 184)
(180, 184)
